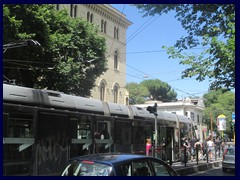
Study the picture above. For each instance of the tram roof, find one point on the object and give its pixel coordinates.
(118, 109)
(166, 116)
(184, 119)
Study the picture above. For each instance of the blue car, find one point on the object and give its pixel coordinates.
(117, 165)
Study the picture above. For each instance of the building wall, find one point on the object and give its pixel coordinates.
(115, 77)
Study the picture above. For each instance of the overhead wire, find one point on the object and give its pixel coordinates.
(129, 39)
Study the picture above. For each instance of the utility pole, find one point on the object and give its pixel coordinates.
(153, 109)
(211, 126)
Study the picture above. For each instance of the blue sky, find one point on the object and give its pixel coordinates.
(143, 63)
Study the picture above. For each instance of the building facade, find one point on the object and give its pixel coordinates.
(111, 86)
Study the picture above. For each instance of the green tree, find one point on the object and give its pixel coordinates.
(71, 56)
(159, 90)
(209, 26)
(137, 93)
(219, 102)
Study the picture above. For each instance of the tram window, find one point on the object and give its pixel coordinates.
(19, 125)
(103, 130)
(84, 131)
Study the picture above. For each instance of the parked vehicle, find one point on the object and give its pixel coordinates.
(228, 159)
(117, 165)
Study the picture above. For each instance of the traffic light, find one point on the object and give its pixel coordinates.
(152, 109)
(232, 127)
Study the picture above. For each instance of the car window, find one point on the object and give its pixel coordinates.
(141, 168)
(231, 152)
(86, 168)
(127, 169)
(161, 169)
(137, 168)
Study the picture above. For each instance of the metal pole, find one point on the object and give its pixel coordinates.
(156, 134)
(211, 126)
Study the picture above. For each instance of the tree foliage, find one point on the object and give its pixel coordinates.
(71, 56)
(209, 26)
(137, 93)
(217, 103)
(153, 89)
(160, 90)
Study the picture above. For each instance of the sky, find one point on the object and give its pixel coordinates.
(145, 58)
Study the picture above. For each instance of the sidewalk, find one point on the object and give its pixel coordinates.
(193, 167)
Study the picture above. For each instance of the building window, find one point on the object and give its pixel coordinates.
(57, 6)
(104, 26)
(115, 94)
(89, 17)
(186, 114)
(116, 32)
(116, 59)
(71, 10)
(102, 91)
(75, 11)
(173, 112)
(192, 116)
(198, 120)
(127, 101)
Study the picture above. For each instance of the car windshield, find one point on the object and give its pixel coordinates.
(87, 168)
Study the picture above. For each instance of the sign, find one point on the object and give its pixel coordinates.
(233, 118)
(221, 119)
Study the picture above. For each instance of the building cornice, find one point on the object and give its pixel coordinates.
(110, 13)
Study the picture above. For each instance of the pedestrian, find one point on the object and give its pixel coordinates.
(185, 146)
(192, 142)
(217, 146)
(198, 149)
(148, 146)
(210, 146)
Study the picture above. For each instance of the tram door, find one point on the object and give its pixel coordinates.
(162, 142)
(52, 148)
(169, 143)
(166, 142)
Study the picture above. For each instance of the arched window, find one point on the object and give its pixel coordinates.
(102, 25)
(115, 94)
(71, 10)
(89, 17)
(116, 59)
(105, 27)
(116, 32)
(127, 101)
(102, 91)
(75, 11)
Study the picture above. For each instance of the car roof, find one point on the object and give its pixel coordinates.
(110, 158)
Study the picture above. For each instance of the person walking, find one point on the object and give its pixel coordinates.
(210, 146)
(198, 149)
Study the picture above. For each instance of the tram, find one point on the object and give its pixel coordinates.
(43, 129)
